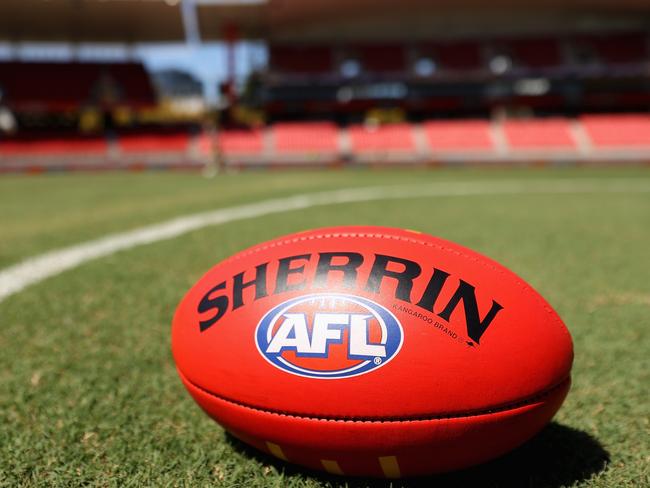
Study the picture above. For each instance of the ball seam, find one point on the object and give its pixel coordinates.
(424, 418)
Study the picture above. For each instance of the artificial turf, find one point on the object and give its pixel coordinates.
(88, 390)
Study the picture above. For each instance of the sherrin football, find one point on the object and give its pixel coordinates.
(372, 351)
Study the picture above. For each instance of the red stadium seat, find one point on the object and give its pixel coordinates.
(390, 58)
(206, 144)
(623, 48)
(54, 146)
(536, 53)
(618, 131)
(305, 137)
(68, 85)
(387, 138)
(134, 82)
(303, 59)
(236, 142)
(154, 142)
(460, 55)
(539, 134)
(65, 86)
(461, 135)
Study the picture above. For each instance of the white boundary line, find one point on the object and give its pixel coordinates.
(38, 268)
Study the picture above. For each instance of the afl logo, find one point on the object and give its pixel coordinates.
(329, 336)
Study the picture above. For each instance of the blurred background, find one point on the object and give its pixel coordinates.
(212, 84)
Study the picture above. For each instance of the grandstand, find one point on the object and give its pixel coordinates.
(472, 76)
(71, 86)
(353, 83)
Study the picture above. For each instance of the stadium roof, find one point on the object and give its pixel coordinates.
(123, 20)
(415, 19)
(164, 20)
(90, 20)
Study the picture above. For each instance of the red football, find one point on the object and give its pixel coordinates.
(372, 351)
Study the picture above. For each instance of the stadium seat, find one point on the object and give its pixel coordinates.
(618, 131)
(318, 137)
(387, 138)
(620, 49)
(238, 142)
(539, 134)
(460, 55)
(154, 142)
(458, 135)
(134, 82)
(535, 53)
(72, 85)
(389, 58)
(53, 146)
(68, 85)
(596, 98)
(303, 59)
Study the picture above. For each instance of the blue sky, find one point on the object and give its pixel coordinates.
(206, 61)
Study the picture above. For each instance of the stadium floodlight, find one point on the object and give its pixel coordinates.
(500, 64)
(350, 68)
(425, 67)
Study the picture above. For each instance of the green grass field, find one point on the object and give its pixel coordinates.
(88, 390)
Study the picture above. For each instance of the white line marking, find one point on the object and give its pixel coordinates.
(38, 268)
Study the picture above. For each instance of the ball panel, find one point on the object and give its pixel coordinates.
(357, 447)
(526, 350)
